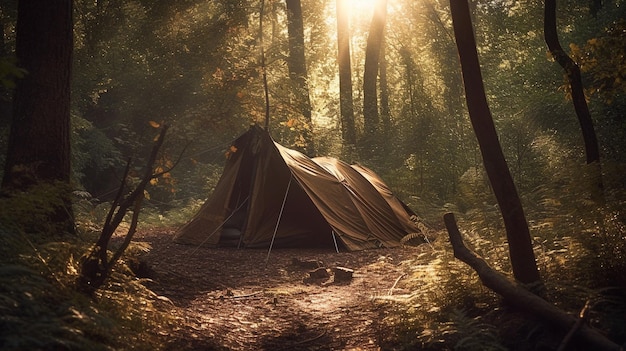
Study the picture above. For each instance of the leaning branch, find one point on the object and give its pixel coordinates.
(518, 295)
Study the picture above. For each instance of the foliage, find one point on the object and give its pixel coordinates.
(604, 59)
(196, 64)
(9, 72)
(29, 211)
(40, 307)
(93, 153)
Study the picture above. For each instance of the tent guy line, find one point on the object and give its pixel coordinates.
(282, 208)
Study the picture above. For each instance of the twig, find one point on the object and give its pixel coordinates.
(246, 295)
(222, 297)
(311, 339)
(396, 283)
(582, 317)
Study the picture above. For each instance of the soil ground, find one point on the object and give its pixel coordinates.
(243, 299)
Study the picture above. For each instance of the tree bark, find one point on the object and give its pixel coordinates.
(371, 116)
(40, 130)
(572, 71)
(39, 140)
(346, 103)
(297, 67)
(385, 112)
(520, 245)
(517, 295)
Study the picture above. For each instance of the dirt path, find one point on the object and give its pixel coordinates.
(231, 300)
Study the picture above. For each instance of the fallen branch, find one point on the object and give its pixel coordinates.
(517, 295)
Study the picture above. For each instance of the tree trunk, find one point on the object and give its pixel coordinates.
(520, 245)
(39, 141)
(297, 67)
(385, 113)
(346, 103)
(573, 75)
(370, 74)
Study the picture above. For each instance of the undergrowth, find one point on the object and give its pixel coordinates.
(39, 306)
(580, 246)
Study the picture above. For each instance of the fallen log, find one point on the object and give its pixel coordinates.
(518, 295)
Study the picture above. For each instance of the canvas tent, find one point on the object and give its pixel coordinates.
(271, 195)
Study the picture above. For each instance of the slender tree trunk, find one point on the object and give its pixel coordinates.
(573, 75)
(39, 141)
(346, 103)
(297, 67)
(385, 112)
(520, 245)
(371, 117)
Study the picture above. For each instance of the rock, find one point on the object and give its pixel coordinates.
(306, 264)
(319, 273)
(343, 274)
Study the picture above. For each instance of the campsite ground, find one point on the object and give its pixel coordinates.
(230, 299)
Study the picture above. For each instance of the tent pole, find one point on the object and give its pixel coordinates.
(335, 241)
(282, 207)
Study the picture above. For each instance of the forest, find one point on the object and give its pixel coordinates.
(499, 124)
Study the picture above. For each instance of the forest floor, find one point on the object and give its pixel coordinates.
(235, 299)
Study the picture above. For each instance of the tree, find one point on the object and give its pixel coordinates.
(297, 67)
(385, 113)
(39, 141)
(518, 235)
(573, 75)
(372, 58)
(346, 103)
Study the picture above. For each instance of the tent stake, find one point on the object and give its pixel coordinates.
(282, 207)
(335, 240)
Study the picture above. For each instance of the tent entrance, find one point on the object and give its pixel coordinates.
(300, 224)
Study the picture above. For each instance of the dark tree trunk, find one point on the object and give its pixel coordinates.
(297, 67)
(348, 131)
(39, 141)
(520, 245)
(370, 74)
(573, 75)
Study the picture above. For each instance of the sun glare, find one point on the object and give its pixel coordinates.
(360, 6)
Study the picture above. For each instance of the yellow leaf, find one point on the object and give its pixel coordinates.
(154, 181)
(154, 124)
(233, 148)
(146, 194)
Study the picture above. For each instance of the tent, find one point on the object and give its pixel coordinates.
(269, 195)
